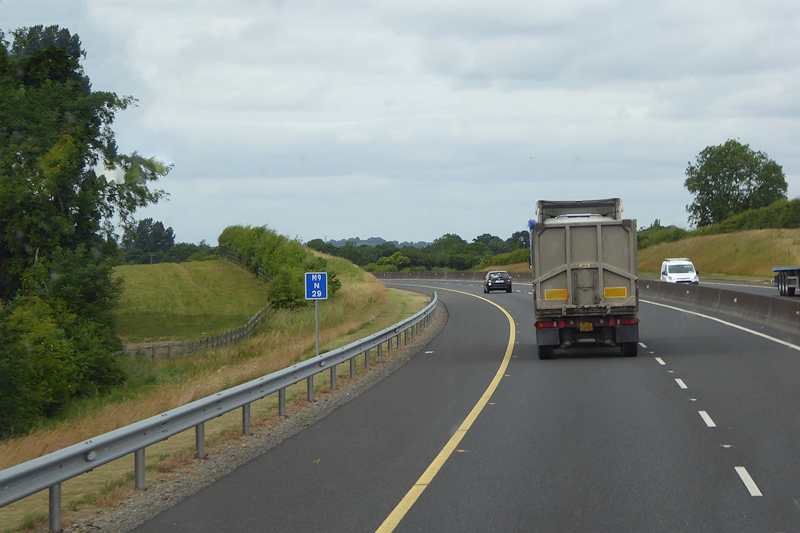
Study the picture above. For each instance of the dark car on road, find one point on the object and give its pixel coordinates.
(497, 280)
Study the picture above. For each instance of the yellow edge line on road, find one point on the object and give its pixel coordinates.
(422, 483)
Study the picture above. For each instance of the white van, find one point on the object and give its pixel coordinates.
(678, 270)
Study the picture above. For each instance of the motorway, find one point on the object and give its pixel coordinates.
(700, 433)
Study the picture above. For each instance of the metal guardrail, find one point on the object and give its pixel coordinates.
(49, 471)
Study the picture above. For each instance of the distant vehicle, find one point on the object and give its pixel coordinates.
(585, 272)
(679, 270)
(787, 279)
(497, 280)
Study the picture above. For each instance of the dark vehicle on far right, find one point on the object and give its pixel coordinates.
(787, 279)
(497, 280)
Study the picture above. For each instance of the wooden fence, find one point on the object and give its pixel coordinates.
(172, 348)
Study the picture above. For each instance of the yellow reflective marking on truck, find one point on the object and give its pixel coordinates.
(615, 292)
(555, 294)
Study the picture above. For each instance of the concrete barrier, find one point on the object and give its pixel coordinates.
(779, 313)
(767, 310)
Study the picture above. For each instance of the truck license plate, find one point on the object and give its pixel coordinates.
(587, 326)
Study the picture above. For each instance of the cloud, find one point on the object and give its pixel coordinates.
(408, 117)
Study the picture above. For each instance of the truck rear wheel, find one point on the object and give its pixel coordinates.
(630, 349)
(545, 352)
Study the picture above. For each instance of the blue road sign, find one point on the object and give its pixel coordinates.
(316, 285)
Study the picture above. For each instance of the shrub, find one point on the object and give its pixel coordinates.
(783, 214)
(286, 290)
(281, 260)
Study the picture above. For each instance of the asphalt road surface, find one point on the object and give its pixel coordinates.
(700, 432)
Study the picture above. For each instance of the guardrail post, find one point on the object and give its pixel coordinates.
(246, 419)
(405, 337)
(310, 387)
(380, 353)
(352, 367)
(138, 469)
(282, 402)
(55, 507)
(333, 377)
(398, 341)
(366, 360)
(200, 440)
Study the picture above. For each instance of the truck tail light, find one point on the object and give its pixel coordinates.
(546, 325)
(628, 321)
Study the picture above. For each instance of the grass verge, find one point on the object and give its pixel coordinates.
(363, 306)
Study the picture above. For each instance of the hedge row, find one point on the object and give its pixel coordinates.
(279, 260)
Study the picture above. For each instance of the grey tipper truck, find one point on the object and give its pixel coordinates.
(585, 272)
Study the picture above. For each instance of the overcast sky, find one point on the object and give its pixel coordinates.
(412, 119)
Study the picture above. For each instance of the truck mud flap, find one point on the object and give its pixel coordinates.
(626, 334)
(547, 337)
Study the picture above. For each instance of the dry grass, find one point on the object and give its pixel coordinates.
(363, 306)
(284, 344)
(747, 253)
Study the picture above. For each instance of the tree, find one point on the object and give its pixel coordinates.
(495, 244)
(730, 179)
(521, 239)
(57, 213)
(55, 132)
(149, 236)
(322, 246)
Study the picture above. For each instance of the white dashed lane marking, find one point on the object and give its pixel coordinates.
(707, 419)
(748, 481)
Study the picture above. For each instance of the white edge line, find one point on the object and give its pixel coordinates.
(748, 481)
(707, 419)
(742, 328)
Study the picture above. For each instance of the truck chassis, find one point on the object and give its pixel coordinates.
(787, 279)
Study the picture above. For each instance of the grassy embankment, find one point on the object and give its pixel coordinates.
(194, 292)
(183, 301)
(748, 255)
(745, 255)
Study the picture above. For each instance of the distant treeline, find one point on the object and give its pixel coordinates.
(783, 214)
(376, 241)
(148, 242)
(448, 252)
